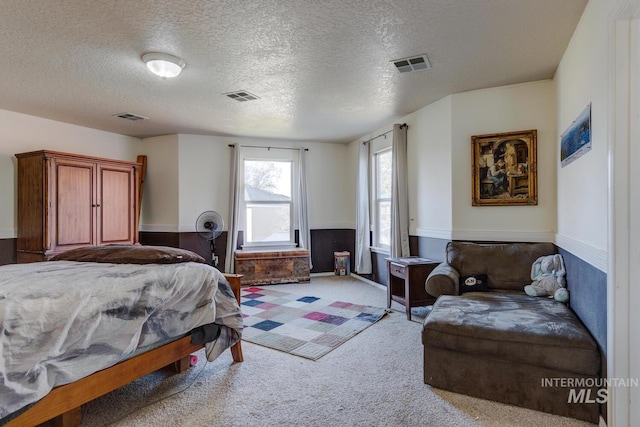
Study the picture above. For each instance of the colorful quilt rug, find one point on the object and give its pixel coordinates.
(306, 326)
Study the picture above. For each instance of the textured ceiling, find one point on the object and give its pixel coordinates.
(320, 68)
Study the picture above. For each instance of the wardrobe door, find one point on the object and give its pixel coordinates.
(116, 204)
(74, 204)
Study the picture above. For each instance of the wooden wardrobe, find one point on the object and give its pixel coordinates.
(66, 201)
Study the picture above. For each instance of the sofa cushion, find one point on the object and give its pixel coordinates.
(516, 328)
(507, 265)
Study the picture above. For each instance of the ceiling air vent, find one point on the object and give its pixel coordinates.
(242, 95)
(129, 116)
(414, 63)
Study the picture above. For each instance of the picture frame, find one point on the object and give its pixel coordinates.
(575, 142)
(504, 170)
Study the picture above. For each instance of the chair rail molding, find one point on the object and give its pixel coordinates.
(8, 234)
(436, 233)
(594, 256)
(159, 228)
(503, 235)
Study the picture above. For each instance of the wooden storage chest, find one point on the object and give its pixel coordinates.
(267, 267)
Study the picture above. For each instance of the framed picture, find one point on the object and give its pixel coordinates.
(576, 140)
(505, 169)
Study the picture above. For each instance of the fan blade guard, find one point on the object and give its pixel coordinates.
(209, 225)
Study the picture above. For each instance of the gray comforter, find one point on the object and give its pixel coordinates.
(61, 321)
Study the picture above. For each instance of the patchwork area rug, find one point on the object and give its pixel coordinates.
(306, 326)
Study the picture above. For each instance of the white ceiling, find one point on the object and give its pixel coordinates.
(320, 67)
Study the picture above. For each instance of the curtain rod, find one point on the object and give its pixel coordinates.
(404, 125)
(269, 148)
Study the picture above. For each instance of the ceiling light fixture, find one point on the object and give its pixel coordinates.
(163, 65)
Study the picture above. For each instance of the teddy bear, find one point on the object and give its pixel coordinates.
(547, 273)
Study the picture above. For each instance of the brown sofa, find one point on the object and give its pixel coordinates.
(502, 344)
(507, 265)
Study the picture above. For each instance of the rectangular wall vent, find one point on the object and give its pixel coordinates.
(414, 63)
(242, 95)
(129, 116)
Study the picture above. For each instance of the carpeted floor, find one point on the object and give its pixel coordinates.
(302, 324)
(374, 379)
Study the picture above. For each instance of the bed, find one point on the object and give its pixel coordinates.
(96, 318)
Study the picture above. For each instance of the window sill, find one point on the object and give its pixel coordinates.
(382, 251)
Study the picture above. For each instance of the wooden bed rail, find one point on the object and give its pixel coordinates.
(62, 406)
(235, 283)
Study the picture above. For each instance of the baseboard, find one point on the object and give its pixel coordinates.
(370, 282)
(355, 276)
(326, 273)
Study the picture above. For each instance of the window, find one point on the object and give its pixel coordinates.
(382, 199)
(268, 205)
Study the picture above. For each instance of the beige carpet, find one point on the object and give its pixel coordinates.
(374, 379)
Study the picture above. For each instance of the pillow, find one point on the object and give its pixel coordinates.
(129, 254)
(474, 283)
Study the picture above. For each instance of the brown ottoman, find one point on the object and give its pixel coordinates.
(516, 349)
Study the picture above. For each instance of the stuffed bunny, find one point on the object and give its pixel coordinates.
(547, 273)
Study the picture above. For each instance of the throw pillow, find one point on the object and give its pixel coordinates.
(474, 283)
(129, 254)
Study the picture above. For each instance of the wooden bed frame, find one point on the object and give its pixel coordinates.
(62, 406)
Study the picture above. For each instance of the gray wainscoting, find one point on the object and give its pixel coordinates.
(8, 251)
(324, 242)
(588, 295)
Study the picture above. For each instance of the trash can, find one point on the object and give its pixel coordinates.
(342, 263)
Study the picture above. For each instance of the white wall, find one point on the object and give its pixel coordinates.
(439, 166)
(429, 163)
(582, 78)
(331, 183)
(160, 195)
(203, 179)
(22, 133)
(594, 67)
(188, 174)
(505, 109)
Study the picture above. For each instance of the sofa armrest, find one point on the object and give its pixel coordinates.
(443, 280)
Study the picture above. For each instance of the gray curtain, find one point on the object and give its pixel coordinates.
(303, 209)
(363, 222)
(234, 206)
(399, 194)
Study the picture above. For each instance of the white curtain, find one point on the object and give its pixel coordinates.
(363, 223)
(234, 206)
(304, 237)
(399, 194)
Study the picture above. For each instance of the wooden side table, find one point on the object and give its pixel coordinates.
(405, 282)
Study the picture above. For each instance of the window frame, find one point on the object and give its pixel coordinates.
(376, 201)
(264, 155)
